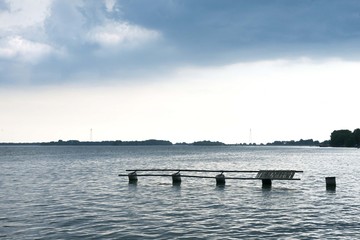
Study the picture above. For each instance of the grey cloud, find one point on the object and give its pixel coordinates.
(65, 25)
(4, 6)
(220, 26)
(199, 32)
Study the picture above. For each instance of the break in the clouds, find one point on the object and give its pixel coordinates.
(120, 35)
(21, 49)
(57, 41)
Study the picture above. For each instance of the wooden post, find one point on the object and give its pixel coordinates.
(220, 179)
(133, 177)
(176, 177)
(266, 183)
(330, 183)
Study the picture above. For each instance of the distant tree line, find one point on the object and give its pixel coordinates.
(208, 143)
(338, 138)
(150, 142)
(345, 138)
(301, 142)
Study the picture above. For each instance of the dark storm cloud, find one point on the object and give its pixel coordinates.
(221, 27)
(141, 38)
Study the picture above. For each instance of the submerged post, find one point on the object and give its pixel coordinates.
(220, 179)
(133, 177)
(176, 177)
(330, 183)
(266, 183)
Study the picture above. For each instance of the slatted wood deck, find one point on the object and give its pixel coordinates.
(276, 174)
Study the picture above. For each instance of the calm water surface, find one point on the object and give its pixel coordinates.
(76, 193)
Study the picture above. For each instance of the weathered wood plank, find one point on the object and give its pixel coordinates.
(188, 170)
(276, 174)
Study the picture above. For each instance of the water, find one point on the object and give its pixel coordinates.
(76, 193)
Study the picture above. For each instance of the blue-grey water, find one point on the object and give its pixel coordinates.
(76, 193)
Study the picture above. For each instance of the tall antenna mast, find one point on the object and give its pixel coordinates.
(250, 137)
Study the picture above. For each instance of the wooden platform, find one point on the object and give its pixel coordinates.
(265, 175)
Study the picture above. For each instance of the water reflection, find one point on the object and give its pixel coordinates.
(133, 182)
(266, 190)
(330, 189)
(132, 185)
(176, 185)
(266, 186)
(220, 187)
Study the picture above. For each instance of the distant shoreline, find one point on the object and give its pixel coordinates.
(338, 138)
(154, 142)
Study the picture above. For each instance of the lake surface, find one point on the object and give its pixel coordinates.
(76, 193)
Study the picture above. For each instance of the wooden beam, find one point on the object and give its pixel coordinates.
(187, 170)
(202, 170)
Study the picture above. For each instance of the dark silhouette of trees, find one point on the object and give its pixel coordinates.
(344, 138)
(338, 138)
(356, 134)
(150, 142)
(301, 142)
(208, 143)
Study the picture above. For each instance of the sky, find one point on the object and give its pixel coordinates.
(235, 71)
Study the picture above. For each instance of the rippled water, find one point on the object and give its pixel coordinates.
(76, 193)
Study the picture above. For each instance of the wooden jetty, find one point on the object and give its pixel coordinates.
(266, 176)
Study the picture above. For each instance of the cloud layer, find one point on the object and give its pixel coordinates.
(55, 41)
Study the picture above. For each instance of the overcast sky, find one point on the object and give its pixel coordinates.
(179, 70)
